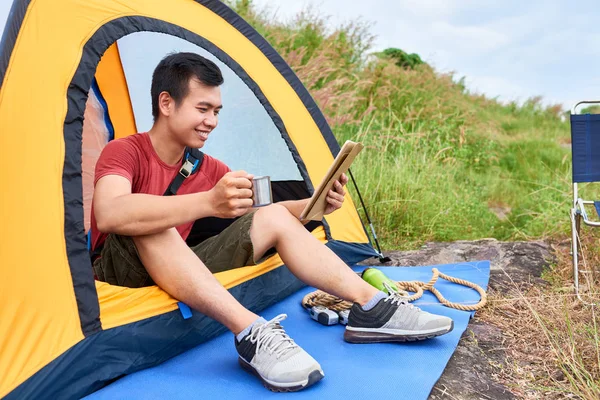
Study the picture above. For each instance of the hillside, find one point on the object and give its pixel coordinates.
(441, 163)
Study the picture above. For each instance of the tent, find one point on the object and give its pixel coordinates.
(75, 74)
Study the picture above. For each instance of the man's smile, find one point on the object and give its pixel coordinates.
(203, 134)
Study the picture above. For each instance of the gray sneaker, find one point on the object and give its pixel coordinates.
(393, 319)
(270, 354)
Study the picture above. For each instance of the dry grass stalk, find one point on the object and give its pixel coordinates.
(552, 339)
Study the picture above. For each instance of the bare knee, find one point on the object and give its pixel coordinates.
(269, 224)
(274, 218)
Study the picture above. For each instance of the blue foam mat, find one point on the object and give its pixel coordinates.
(352, 371)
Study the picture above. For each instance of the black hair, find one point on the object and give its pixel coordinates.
(173, 74)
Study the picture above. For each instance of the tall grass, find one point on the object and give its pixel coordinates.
(440, 163)
(551, 337)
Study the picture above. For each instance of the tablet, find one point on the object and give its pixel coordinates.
(315, 208)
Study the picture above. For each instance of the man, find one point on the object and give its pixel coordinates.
(142, 233)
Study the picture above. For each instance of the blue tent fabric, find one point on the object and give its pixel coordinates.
(597, 207)
(585, 146)
(352, 371)
(351, 253)
(123, 350)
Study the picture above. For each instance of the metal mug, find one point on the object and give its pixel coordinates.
(261, 191)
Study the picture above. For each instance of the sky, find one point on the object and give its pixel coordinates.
(509, 49)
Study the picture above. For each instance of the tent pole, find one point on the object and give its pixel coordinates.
(382, 258)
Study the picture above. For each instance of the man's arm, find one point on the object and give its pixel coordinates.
(295, 207)
(335, 199)
(119, 211)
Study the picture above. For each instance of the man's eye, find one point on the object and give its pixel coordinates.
(203, 110)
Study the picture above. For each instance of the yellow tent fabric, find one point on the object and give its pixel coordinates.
(111, 80)
(49, 302)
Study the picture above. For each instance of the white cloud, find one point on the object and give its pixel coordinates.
(467, 38)
(505, 89)
(509, 49)
(432, 10)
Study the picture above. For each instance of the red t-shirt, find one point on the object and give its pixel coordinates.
(134, 158)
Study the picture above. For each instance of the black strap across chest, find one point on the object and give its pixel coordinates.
(192, 160)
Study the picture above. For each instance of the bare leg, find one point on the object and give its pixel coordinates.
(306, 257)
(178, 271)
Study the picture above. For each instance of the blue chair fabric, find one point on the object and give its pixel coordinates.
(585, 145)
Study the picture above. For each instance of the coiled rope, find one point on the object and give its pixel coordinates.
(320, 298)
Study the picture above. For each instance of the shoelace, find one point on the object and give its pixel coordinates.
(395, 297)
(272, 337)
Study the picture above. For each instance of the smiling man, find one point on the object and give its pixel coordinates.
(140, 234)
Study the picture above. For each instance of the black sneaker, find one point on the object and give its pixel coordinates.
(270, 354)
(393, 319)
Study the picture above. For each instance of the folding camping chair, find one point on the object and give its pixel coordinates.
(585, 147)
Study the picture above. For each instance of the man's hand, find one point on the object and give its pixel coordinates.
(335, 197)
(232, 195)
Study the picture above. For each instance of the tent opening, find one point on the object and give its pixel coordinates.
(247, 137)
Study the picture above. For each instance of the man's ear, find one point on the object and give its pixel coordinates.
(166, 104)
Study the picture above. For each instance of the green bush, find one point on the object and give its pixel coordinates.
(402, 59)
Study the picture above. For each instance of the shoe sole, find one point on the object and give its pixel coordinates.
(314, 377)
(380, 337)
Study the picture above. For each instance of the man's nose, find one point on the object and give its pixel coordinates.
(211, 121)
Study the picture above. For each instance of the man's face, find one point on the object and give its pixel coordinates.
(196, 116)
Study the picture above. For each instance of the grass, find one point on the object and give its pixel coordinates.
(444, 164)
(440, 163)
(551, 338)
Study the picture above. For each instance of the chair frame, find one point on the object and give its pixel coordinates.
(579, 214)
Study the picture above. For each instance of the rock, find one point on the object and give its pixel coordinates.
(480, 355)
(512, 263)
(469, 373)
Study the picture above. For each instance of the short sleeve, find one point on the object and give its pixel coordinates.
(119, 157)
(215, 169)
(222, 169)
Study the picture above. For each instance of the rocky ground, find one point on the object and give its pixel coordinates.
(469, 374)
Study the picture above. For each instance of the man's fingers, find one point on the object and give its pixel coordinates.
(240, 174)
(244, 203)
(334, 202)
(338, 190)
(344, 179)
(335, 197)
(339, 187)
(242, 183)
(244, 193)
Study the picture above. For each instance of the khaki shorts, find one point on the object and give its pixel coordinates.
(119, 262)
